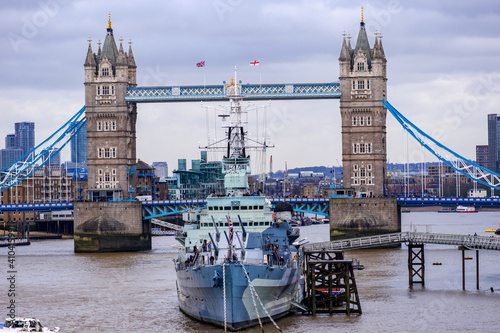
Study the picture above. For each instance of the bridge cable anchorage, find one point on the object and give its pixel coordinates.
(459, 163)
(27, 164)
(250, 284)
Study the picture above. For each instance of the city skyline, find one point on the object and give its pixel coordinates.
(440, 61)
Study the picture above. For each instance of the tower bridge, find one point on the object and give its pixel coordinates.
(111, 98)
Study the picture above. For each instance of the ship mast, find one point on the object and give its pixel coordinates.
(236, 163)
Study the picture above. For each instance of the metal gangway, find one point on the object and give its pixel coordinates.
(166, 224)
(467, 241)
(415, 242)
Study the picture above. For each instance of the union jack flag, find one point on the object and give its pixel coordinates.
(201, 64)
(230, 232)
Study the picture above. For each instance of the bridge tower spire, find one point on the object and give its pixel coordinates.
(111, 121)
(363, 83)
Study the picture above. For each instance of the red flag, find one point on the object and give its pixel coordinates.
(254, 63)
(201, 64)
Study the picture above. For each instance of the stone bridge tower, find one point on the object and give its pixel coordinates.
(108, 221)
(111, 121)
(363, 83)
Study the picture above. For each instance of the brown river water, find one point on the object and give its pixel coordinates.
(135, 292)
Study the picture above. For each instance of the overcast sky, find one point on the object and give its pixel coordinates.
(442, 65)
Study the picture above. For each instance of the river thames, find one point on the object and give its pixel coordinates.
(135, 292)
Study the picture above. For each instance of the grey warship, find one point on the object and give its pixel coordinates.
(237, 266)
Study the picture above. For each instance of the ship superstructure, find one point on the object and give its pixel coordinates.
(237, 267)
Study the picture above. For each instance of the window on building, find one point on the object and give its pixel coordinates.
(106, 126)
(99, 153)
(362, 172)
(105, 90)
(99, 126)
(355, 167)
(361, 84)
(368, 121)
(112, 90)
(113, 125)
(106, 153)
(367, 84)
(354, 148)
(361, 121)
(361, 66)
(105, 71)
(354, 121)
(113, 171)
(353, 84)
(113, 152)
(98, 90)
(361, 148)
(369, 166)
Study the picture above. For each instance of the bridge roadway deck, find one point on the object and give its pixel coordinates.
(469, 242)
(318, 206)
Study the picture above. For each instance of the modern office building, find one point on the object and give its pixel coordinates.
(79, 146)
(482, 155)
(17, 144)
(160, 170)
(53, 156)
(25, 136)
(493, 137)
(10, 141)
(9, 156)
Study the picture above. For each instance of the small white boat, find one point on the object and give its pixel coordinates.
(466, 209)
(24, 324)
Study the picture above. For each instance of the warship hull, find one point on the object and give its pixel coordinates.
(201, 293)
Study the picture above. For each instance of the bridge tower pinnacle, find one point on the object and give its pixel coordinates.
(363, 83)
(111, 121)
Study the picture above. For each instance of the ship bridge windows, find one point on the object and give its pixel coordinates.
(243, 207)
(227, 207)
(236, 207)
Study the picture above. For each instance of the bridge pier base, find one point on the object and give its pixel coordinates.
(111, 227)
(363, 217)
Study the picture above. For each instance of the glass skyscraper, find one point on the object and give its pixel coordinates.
(493, 141)
(79, 146)
(25, 136)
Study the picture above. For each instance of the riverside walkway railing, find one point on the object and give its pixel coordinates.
(468, 241)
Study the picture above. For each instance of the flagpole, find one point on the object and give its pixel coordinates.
(260, 75)
(204, 87)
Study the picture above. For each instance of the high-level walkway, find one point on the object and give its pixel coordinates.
(467, 241)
